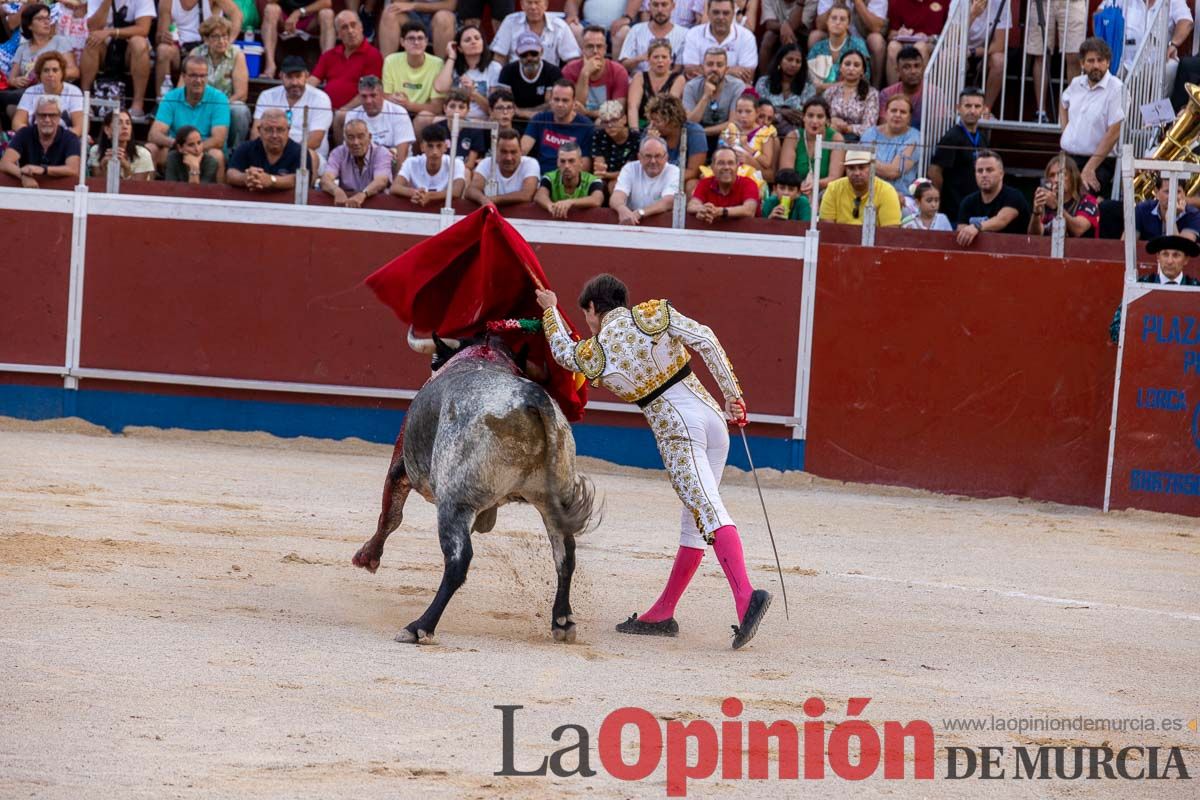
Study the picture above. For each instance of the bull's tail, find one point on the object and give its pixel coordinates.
(572, 503)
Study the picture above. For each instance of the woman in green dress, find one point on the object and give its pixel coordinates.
(800, 143)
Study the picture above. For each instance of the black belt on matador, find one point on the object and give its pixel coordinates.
(684, 371)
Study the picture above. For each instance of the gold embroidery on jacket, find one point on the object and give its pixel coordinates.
(589, 358)
(550, 322)
(652, 317)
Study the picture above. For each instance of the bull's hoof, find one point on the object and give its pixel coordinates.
(418, 636)
(563, 630)
(367, 557)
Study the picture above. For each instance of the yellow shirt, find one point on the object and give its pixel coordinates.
(398, 76)
(837, 204)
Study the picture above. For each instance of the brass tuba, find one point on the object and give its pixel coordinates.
(1176, 146)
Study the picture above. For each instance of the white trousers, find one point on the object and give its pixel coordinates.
(693, 440)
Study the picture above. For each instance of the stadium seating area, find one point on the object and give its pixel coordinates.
(595, 110)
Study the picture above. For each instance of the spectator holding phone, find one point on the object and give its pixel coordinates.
(1081, 208)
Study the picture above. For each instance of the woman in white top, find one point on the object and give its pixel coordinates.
(469, 67)
(423, 179)
(50, 68)
(135, 160)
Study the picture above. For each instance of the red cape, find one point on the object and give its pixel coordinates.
(477, 270)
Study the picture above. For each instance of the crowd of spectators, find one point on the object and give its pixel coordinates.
(592, 105)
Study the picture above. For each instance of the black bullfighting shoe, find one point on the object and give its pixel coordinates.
(760, 601)
(668, 627)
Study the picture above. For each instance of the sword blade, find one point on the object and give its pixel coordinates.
(757, 485)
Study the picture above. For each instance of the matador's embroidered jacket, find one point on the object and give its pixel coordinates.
(638, 350)
(641, 355)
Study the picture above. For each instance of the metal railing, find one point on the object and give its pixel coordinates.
(457, 124)
(1039, 15)
(679, 202)
(944, 79)
(1144, 81)
(1177, 173)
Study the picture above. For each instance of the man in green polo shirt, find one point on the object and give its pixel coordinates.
(197, 104)
(569, 186)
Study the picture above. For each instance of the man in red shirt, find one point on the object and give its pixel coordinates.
(725, 195)
(597, 78)
(340, 68)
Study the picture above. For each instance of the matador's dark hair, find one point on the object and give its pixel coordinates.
(606, 292)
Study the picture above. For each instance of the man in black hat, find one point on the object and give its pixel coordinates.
(1173, 253)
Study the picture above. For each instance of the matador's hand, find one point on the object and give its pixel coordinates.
(736, 409)
(546, 298)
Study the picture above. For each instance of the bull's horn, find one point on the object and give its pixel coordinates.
(428, 346)
(425, 346)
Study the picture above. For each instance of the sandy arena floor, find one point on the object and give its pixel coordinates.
(179, 618)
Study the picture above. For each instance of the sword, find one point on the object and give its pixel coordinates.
(741, 426)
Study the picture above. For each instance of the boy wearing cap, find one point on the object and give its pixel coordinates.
(529, 77)
(846, 198)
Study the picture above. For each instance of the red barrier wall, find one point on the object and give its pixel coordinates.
(1156, 457)
(287, 304)
(33, 298)
(963, 372)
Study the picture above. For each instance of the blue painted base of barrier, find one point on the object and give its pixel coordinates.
(632, 446)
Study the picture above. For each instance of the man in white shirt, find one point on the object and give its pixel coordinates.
(126, 22)
(868, 21)
(1092, 110)
(647, 186)
(1179, 28)
(388, 122)
(720, 32)
(684, 14)
(516, 176)
(635, 49)
(293, 97)
(558, 43)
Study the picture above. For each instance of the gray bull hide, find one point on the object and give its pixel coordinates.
(477, 436)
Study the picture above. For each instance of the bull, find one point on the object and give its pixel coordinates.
(478, 435)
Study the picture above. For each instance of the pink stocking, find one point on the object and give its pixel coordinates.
(687, 561)
(728, 546)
